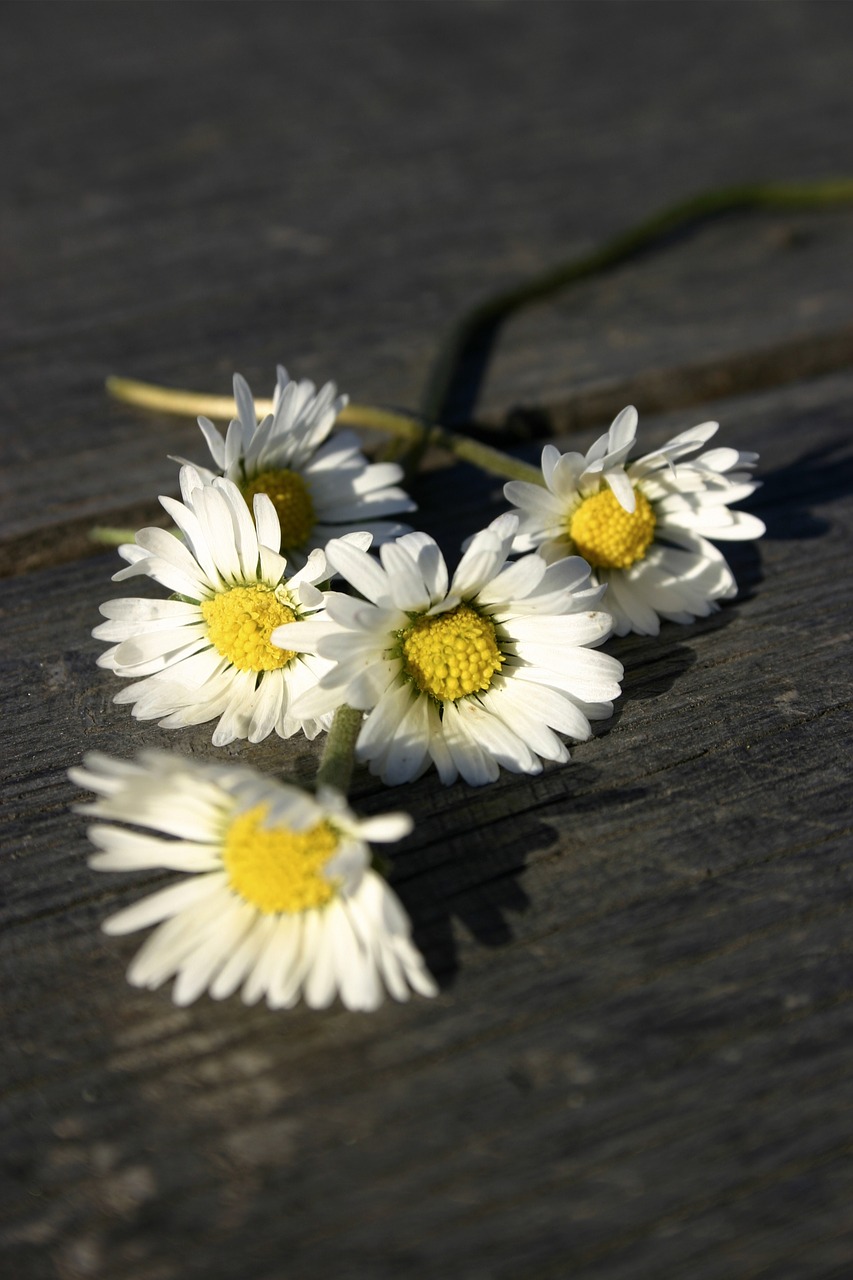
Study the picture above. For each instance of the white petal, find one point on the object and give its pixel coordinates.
(623, 490)
(244, 956)
(513, 705)
(131, 851)
(267, 522)
(386, 828)
(408, 589)
(475, 765)
(360, 570)
(480, 563)
(163, 905)
(282, 991)
(431, 564)
(214, 440)
(514, 581)
(496, 737)
(623, 429)
(266, 960)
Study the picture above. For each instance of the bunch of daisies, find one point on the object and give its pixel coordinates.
(294, 601)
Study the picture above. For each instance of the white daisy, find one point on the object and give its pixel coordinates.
(484, 671)
(643, 528)
(321, 487)
(277, 895)
(205, 652)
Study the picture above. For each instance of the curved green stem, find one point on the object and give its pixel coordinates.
(421, 430)
(677, 217)
(338, 754)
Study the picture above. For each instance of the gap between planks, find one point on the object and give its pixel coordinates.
(653, 391)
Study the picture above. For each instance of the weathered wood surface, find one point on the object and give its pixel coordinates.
(221, 189)
(639, 1061)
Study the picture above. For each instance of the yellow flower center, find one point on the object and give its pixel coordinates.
(240, 622)
(276, 869)
(291, 499)
(608, 536)
(451, 654)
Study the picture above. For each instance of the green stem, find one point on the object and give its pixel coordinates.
(421, 430)
(337, 761)
(405, 426)
(110, 536)
(676, 217)
(483, 456)
(495, 461)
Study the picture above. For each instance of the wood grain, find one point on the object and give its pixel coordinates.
(371, 179)
(637, 1062)
(638, 1065)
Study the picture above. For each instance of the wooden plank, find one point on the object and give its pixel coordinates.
(585, 364)
(637, 1063)
(751, 301)
(372, 178)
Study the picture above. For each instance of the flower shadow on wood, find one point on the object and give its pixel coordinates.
(788, 496)
(473, 880)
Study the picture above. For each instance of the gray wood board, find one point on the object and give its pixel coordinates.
(638, 1063)
(190, 190)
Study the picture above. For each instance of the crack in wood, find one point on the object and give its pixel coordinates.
(653, 391)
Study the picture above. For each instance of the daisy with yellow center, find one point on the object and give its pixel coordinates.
(490, 668)
(206, 652)
(644, 528)
(320, 484)
(277, 896)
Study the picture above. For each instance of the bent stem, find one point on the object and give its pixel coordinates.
(336, 763)
(484, 318)
(652, 232)
(419, 432)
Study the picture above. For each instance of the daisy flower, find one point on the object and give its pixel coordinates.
(485, 670)
(643, 528)
(320, 487)
(205, 652)
(276, 897)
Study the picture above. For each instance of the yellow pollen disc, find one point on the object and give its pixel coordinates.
(291, 499)
(240, 622)
(451, 654)
(608, 536)
(276, 869)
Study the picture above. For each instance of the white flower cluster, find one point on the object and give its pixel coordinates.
(495, 665)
